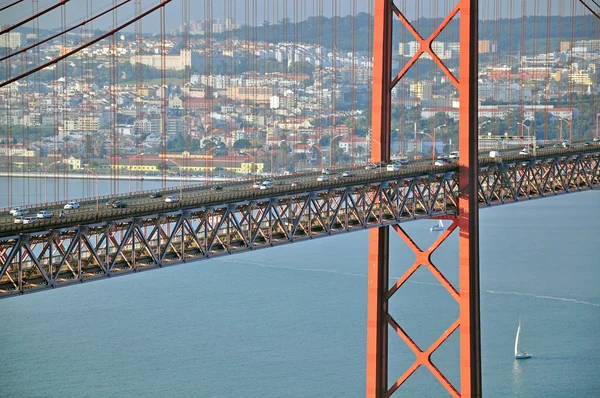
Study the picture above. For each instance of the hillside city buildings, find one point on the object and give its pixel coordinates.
(238, 107)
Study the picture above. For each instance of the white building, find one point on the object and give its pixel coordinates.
(274, 102)
(11, 40)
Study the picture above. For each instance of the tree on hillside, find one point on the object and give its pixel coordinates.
(242, 144)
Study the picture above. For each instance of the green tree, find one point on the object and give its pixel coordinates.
(242, 144)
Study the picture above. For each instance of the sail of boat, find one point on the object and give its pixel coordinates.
(517, 339)
(518, 353)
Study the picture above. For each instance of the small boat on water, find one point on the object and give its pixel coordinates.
(518, 353)
(438, 227)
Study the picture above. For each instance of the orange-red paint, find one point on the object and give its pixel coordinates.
(467, 221)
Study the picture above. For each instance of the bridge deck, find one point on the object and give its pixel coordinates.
(88, 244)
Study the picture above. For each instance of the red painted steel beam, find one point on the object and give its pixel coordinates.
(382, 71)
(34, 16)
(377, 310)
(468, 216)
(377, 328)
(84, 22)
(468, 221)
(86, 45)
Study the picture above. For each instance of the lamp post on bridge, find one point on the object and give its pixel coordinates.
(435, 129)
(97, 197)
(479, 127)
(252, 165)
(46, 180)
(206, 167)
(278, 146)
(533, 146)
(129, 167)
(180, 179)
(570, 123)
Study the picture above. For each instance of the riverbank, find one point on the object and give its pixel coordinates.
(73, 175)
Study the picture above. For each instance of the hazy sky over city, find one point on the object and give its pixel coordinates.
(257, 11)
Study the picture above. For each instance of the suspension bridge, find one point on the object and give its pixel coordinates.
(288, 121)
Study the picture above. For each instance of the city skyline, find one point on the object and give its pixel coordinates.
(271, 10)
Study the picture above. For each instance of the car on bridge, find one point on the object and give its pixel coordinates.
(18, 211)
(371, 166)
(322, 178)
(119, 204)
(393, 167)
(29, 220)
(347, 173)
(110, 202)
(155, 195)
(72, 205)
(44, 214)
(19, 220)
(266, 184)
(214, 188)
(171, 199)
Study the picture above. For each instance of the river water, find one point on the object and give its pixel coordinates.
(290, 321)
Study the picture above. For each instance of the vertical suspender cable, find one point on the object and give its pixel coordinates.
(63, 104)
(547, 64)
(521, 65)
(163, 99)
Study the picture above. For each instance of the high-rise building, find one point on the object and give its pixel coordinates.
(10, 40)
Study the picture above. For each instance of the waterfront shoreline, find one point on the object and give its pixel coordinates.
(37, 174)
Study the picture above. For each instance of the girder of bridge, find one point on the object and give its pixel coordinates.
(36, 260)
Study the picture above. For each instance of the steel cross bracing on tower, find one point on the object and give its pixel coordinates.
(379, 318)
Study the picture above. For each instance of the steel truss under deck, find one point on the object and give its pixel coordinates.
(32, 261)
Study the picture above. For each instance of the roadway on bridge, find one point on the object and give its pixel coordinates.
(198, 195)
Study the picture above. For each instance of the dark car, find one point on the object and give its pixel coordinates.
(216, 187)
(119, 204)
(155, 195)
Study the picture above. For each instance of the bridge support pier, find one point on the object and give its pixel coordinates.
(467, 294)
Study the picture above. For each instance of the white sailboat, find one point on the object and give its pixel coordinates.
(438, 227)
(520, 354)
